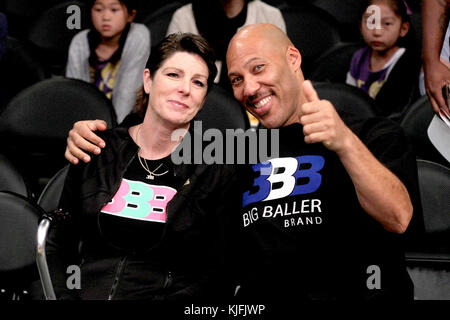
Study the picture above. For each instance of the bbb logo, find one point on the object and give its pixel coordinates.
(287, 178)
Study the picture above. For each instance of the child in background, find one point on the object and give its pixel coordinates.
(112, 55)
(384, 69)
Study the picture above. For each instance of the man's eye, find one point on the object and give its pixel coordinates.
(173, 75)
(258, 67)
(236, 80)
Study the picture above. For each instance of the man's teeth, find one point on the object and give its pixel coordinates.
(263, 102)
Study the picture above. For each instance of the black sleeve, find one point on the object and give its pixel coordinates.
(229, 203)
(401, 87)
(389, 144)
(64, 236)
(130, 120)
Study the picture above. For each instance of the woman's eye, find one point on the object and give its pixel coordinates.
(173, 75)
(199, 83)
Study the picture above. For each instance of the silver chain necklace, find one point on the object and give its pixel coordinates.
(151, 174)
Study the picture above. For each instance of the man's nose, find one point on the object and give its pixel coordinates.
(251, 87)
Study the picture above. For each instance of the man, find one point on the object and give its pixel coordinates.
(331, 214)
(322, 220)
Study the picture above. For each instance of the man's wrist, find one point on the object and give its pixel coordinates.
(348, 144)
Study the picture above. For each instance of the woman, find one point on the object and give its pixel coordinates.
(149, 229)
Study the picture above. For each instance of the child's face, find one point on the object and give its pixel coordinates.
(391, 28)
(110, 17)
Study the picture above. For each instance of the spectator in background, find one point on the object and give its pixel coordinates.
(436, 51)
(113, 54)
(384, 69)
(218, 20)
(3, 34)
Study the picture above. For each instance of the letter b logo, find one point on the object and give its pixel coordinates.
(284, 173)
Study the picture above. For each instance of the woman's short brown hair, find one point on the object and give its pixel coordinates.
(177, 42)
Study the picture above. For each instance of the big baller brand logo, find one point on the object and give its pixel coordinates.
(141, 201)
(285, 172)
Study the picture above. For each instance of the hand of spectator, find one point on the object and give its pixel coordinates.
(82, 138)
(436, 76)
(321, 122)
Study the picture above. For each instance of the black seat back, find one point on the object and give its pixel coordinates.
(222, 111)
(35, 124)
(18, 225)
(415, 122)
(311, 30)
(53, 30)
(352, 104)
(11, 179)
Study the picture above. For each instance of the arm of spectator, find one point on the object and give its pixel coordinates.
(174, 25)
(82, 139)
(134, 57)
(380, 192)
(434, 25)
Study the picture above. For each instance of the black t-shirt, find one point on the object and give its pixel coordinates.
(135, 217)
(305, 234)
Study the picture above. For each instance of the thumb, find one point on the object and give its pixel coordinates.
(99, 125)
(309, 91)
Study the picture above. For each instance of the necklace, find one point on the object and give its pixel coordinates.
(151, 174)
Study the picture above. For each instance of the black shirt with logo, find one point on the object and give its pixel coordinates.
(305, 235)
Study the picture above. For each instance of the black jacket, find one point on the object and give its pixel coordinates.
(187, 263)
(401, 88)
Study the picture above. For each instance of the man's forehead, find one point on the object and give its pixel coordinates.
(249, 49)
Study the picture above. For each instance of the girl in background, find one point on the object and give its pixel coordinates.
(385, 69)
(112, 55)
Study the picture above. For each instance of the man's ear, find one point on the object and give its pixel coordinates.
(404, 29)
(294, 58)
(147, 81)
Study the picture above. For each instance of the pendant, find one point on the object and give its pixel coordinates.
(150, 177)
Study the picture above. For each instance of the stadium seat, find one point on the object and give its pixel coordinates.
(312, 31)
(415, 122)
(35, 124)
(19, 69)
(222, 111)
(429, 260)
(11, 179)
(346, 12)
(51, 36)
(333, 65)
(18, 225)
(49, 198)
(351, 103)
(21, 14)
(158, 22)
